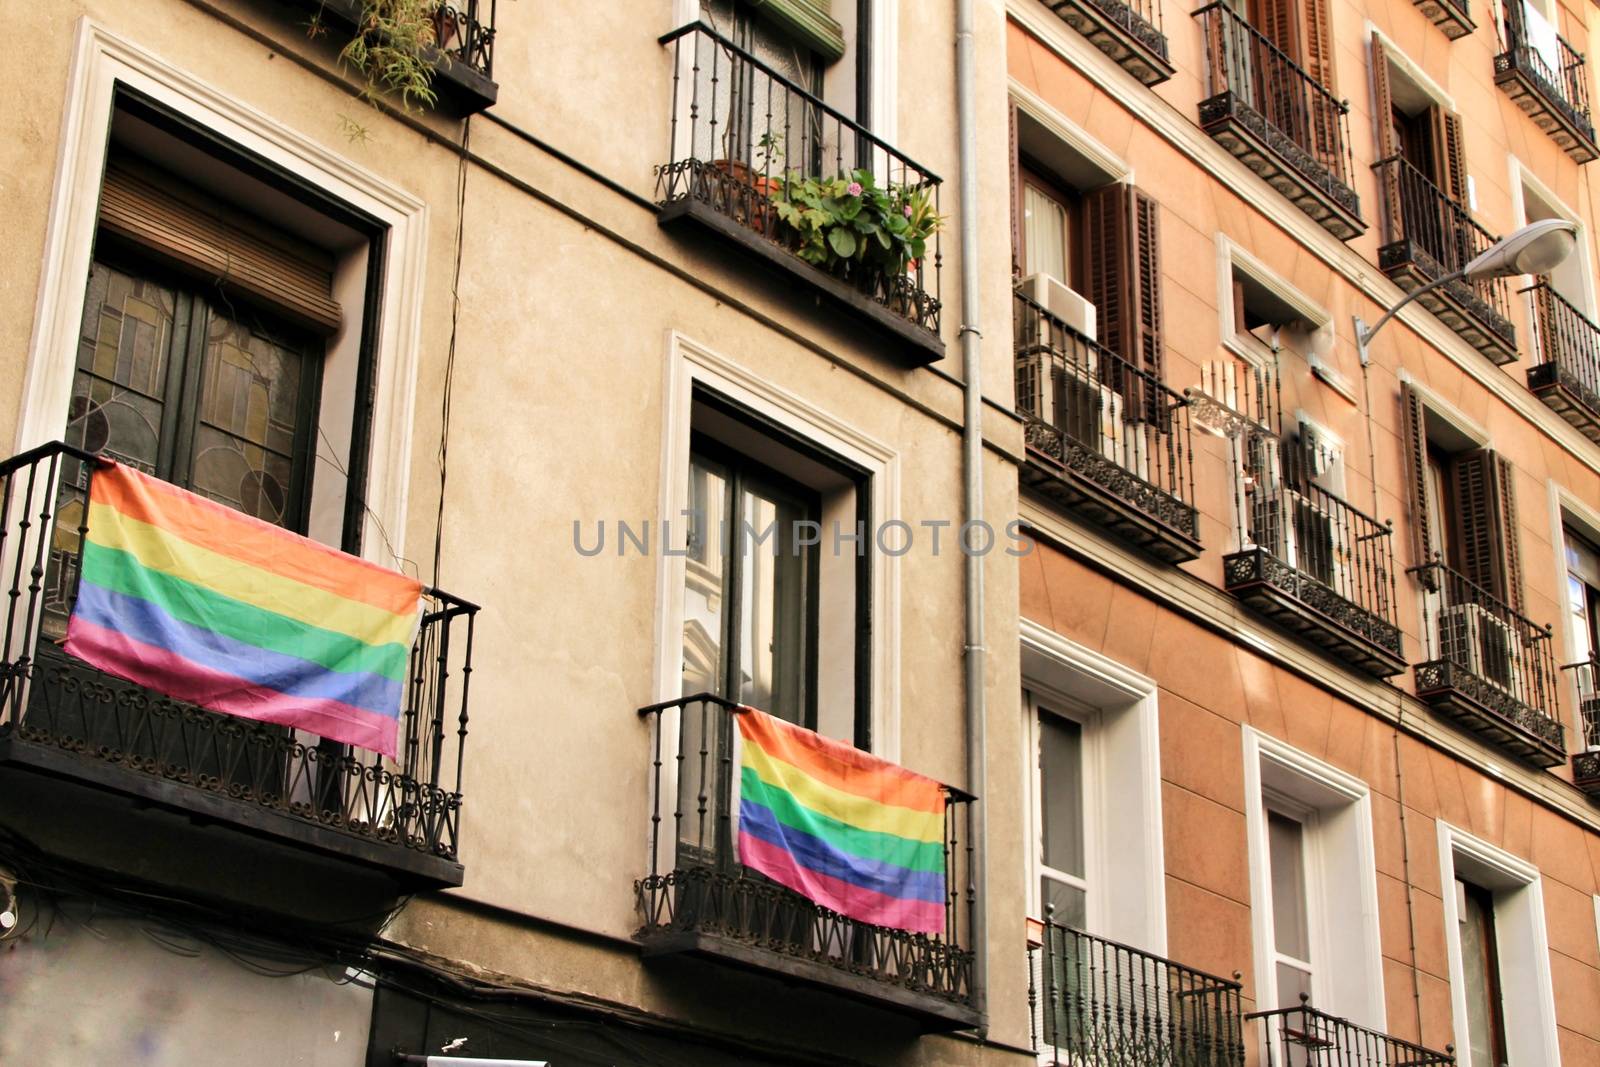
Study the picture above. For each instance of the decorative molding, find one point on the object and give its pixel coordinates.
(1128, 721)
(101, 61)
(1409, 67)
(1342, 804)
(689, 362)
(1519, 902)
(1184, 134)
(1068, 132)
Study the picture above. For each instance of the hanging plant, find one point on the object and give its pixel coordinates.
(833, 222)
(390, 51)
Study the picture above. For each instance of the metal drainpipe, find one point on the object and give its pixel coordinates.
(972, 459)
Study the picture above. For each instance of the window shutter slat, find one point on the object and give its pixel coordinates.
(1511, 541)
(138, 210)
(1415, 443)
(1104, 251)
(1388, 146)
(1448, 153)
(1318, 59)
(1016, 199)
(1147, 276)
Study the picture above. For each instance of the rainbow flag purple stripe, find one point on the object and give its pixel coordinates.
(208, 605)
(841, 827)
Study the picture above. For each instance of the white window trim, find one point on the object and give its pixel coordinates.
(1568, 509)
(689, 363)
(1232, 255)
(1053, 664)
(1537, 1043)
(1068, 132)
(1441, 408)
(1261, 748)
(1409, 67)
(101, 61)
(1311, 872)
(1522, 175)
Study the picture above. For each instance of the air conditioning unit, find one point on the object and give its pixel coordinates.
(1301, 532)
(1476, 639)
(1065, 304)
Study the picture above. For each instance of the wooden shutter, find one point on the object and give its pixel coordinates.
(1016, 200)
(1388, 145)
(1485, 523)
(1119, 247)
(1449, 158)
(1414, 441)
(1317, 57)
(1279, 22)
(177, 224)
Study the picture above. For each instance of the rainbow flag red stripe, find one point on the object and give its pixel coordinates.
(840, 826)
(193, 599)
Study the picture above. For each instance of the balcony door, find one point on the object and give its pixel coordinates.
(761, 123)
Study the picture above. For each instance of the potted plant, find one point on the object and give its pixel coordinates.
(851, 225)
(747, 186)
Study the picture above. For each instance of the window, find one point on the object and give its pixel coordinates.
(1291, 923)
(1462, 501)
(1095, 846)
(1480, 972)
(1417, 126)
(1503, 1001)
(1063, 885)
(1087, 245)
(1570, 278)
(774, 596)
(1313, 884)
(750, 599)
(1583, 594)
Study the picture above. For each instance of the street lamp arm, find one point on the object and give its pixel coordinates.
(1365, 334)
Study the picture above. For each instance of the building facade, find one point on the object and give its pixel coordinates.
(1279, 749)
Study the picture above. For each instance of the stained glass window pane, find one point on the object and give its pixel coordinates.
(250, 397)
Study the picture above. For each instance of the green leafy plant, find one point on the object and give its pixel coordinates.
(390, 51)
(833, 222)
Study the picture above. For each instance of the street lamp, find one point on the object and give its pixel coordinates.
(1537, 248)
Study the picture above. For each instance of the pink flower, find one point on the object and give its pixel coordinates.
(854, 189)
(908, 210)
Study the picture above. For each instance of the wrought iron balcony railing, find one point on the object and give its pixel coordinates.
(1428, 235)
(1097, 1003)
(698, 897)
(1280, 120)
(1311, 561)
(1546, 78)
(744, 140)
(1108, 438)
(1131, 32)
(1566, 369)
(1302, 1036)
(1586, 764)
(60, 715)
(1489, 666)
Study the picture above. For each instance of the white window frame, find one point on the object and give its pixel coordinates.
(689, 363)
(1039, 702)
(1347, 971)
(1528, 1002)
(1273, 802)
(1231, 257)
(1123, 846)
(102, 60)
(1523, 178)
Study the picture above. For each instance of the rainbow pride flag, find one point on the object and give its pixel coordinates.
(193, 599)
(840, 826)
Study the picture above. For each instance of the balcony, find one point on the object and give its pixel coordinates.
(1586, 764)
(1566, 374)
(1314, 564)
(1130, 33)
(1094, 1001)
(463, 57)
(1106, 440)
(1303, 1035)
(1546, 78)
(1429, 235)
(102, 754)
(1279, 120)
(698, 899)
(748, 149)
(1451, 16)
(1490, 668)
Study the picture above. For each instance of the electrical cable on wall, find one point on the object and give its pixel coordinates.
(450, 355)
